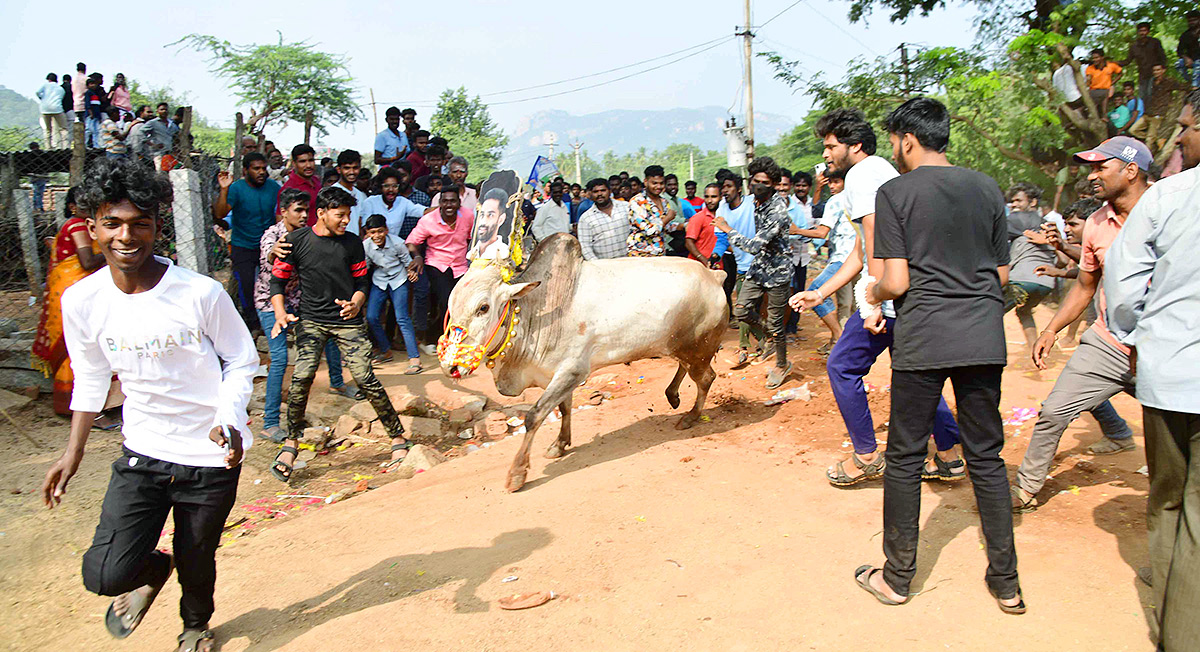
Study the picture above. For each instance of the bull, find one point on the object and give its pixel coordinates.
(562, 317)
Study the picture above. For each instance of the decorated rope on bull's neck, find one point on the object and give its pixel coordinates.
(452, 351)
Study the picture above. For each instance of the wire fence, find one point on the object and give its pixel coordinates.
(33, 209)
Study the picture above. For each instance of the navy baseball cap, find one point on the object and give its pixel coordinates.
(1130, 150)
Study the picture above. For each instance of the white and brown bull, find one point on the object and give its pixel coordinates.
(562, 317)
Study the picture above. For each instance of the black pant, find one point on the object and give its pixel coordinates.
(441, 284)
(915, 396)
(141, 492)
(245, 270)
(729, 264)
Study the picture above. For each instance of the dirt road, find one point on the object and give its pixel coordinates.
(724, 537)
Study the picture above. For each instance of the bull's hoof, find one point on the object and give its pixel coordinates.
(515, 481)
(673, 399)
(687, 421)
(556, 450)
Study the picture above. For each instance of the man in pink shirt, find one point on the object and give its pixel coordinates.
(1099, 369)
(303, 177)
(446, 234)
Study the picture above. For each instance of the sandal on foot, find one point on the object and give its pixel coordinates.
(1015, 609)
(414, 369)
(743, 359)
(275, 433)
(872, 471)
(1023, 502)
(945, 471)
(122, 626)
(777, 375)
(189, 640)
(348, 391)
(1108, 446)
(283, 470)
(862, 577)
(390, 464)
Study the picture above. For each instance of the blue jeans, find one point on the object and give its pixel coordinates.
(850, 359)
(1191, 76)
(375, 304)
(277, 349)
(92, 132)
(39, 192)
(827, 306)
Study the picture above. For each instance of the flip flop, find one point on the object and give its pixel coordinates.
(777, 376)
(413, 369)
(864, 583)
(1016, 609)
(189, 640)
(122, 626)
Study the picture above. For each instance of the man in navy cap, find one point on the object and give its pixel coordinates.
(1100, 367)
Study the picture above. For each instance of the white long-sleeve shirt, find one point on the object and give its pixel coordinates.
(164, 345)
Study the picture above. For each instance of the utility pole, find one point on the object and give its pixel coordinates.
(578, 170)
(904, 69)
(748, 38)
(374, 111)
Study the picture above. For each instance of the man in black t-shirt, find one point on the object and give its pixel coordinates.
(333, 276)
(941, 233)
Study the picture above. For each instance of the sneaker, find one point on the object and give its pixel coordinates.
(428, 349)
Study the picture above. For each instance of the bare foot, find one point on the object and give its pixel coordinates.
(876, 581)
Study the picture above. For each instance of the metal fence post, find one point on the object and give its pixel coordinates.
(191, 222)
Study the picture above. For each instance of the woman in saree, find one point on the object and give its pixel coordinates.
(72, 257)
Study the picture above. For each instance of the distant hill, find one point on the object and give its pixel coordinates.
(16, 110)
(625, 131)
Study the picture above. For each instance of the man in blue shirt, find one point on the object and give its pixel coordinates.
(391, 144)
(249, 204)
(739, 214)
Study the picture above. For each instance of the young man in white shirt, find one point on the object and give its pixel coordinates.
(186, 364)
(850, 147)
(349, 165)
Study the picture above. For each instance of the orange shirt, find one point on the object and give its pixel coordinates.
(1102, 78)
(1098, 234)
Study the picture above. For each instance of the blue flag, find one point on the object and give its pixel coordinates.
(543, 169)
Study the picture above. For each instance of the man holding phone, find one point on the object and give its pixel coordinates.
(186, 364)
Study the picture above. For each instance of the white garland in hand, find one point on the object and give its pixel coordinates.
(866, 308)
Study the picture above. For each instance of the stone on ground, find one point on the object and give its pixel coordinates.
(363, 411)
(346, 424)
(422, 458)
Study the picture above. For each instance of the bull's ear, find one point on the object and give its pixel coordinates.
(518, 290)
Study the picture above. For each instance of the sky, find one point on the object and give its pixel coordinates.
(408, 55)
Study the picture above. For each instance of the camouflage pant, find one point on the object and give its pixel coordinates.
(352, 341)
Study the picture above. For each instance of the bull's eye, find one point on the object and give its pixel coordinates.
(483, 309)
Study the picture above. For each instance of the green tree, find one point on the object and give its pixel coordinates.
(466, 123)
(282, 82)
(1008, 120)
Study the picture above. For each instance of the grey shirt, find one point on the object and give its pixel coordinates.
(390, 262)
(1150, 282)
(157, 137)
(1025, 256)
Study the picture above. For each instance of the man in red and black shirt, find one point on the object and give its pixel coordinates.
(332, 268)
(303, 177)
